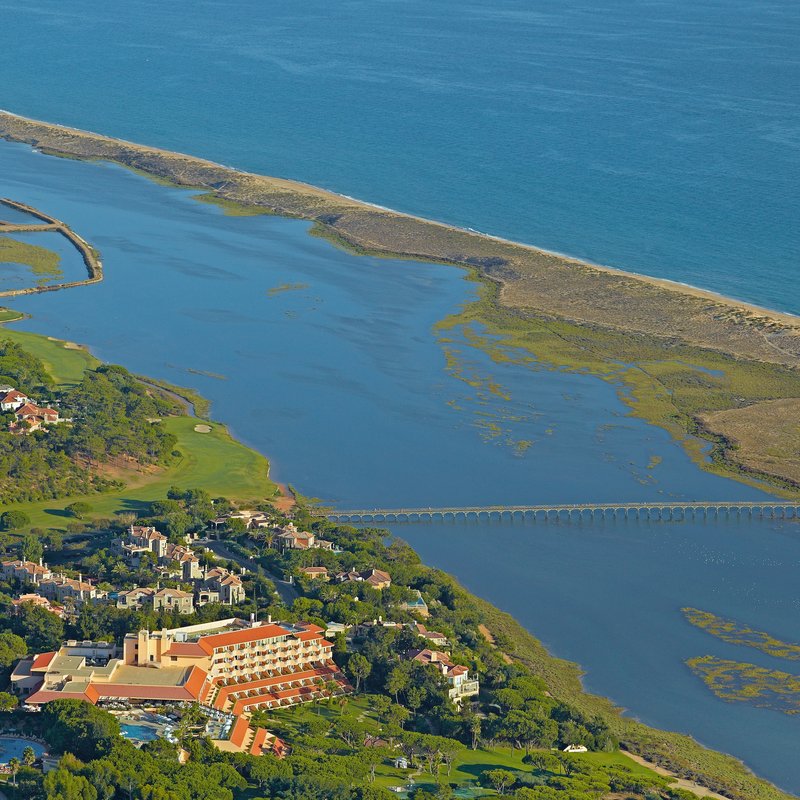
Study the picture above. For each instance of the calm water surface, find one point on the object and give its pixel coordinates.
(341, 381)
(662, 136)
(20, 276)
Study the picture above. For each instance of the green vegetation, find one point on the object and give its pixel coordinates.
(529, 702)
(64, 362)
(112, 418)
(113, 457)
(667, 386)
(748, 683)
(14, 520)
(676, 752)
(230, 207)
(286, 287)
(200, 405)
(43, 262)
(212, 461)
(98, 763)
(9, 315)
(736, 633)
(331, 733)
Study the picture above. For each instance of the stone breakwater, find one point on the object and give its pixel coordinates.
(530, 281)
(91, 260)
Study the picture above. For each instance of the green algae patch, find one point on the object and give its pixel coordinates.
(42, 262)
(670, 384)
(734, 632)
(286, 287)
(739, 682)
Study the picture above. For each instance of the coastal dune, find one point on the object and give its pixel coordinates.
(530, 280)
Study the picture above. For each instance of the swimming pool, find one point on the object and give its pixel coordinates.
(13, 747)
(138, 733)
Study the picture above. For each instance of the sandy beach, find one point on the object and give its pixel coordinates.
(531, 280)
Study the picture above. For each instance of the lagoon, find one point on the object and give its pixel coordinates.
(68, 267)
(341, 381)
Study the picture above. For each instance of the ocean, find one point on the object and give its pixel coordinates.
(661, 137)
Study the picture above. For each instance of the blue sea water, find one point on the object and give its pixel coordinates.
(659, 136)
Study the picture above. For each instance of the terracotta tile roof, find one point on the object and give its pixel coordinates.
(270, 631)
(146, 532)
(428, 656)
(265, 685)
(172, 593)
(144, 692)
(258, 741)
(186, 649)
(46, 695)
(310, 627)
(42, 661)
(190, 690)
(28, 566)
(195, 682)
(141, 591)
(239, 732)
(32, 410)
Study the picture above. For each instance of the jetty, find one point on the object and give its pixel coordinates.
(90, 258)
(639, 510)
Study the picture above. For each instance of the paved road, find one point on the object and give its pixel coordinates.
(286, 590)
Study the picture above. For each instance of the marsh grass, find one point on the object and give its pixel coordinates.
(740, 682)
(43, 263)
(669, 384)
(734, 632)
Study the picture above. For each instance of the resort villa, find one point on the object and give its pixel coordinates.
(461, 685)
(377, 578)
(51, 585)
(28, 417)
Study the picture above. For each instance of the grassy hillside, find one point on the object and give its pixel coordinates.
(210, 460)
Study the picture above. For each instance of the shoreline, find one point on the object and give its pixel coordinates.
(667, 283)
(531, 279)
(567, 313)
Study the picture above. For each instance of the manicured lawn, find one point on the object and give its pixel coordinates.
(212, 461)
(66, 364)
(617, 759)
(9, 315)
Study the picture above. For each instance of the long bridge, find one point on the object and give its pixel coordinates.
(640, 510)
